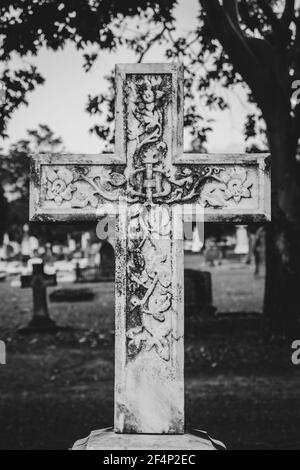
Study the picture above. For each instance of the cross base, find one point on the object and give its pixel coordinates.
(41, 325)
(107, 439)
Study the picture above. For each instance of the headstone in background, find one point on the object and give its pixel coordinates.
(259, 249)
(107, 261)
(101, 272)
(72, 295)
(212, 253)
(5, 250)
(39, 281)
(30, 263)
(49, 258)
(58, 251)
(242, 240)
(25, 245)
(85, 244)
(197, 243)
(71, 244)
(198, 294)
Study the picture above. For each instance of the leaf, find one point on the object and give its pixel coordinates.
(212, 198)
(66, 175)
(51, 175)
(117, 179)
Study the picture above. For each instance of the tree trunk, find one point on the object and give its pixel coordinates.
(282, 289)
(3, 214)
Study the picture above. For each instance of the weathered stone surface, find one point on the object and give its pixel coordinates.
(149, 395)
(106, 439)
(150, 173)
(231, 189)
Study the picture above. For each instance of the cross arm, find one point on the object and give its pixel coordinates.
(74, 188)
(230, 187)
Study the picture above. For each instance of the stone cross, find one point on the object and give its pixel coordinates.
(149, 178)
(39, 281)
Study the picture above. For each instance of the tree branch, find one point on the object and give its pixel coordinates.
(151, 42)
(297, 48)
(253, 58)
(296, 124)
(274, 21)
(225, 29)
(231, 8)
(288, 14)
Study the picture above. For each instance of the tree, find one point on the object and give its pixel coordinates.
(255, 44)
(26, 27)
(14, 174)
(14, 188)
(3, 214)
(15, 164)
(236, 43)
(261, 39)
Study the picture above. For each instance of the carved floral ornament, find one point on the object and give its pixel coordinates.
(150, 283)
(236, 185)
(62, 185)
(146, 98)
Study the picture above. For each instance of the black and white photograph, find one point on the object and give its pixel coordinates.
(149, 227)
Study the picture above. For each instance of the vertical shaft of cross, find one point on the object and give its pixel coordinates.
(149, 392)
(149, 395)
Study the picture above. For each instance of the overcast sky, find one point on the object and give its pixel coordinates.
(61, 101)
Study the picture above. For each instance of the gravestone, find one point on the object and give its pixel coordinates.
(242, 240)
(86, 244)
(5, 250)
(39, 281)
(212, 253)
(72, 295)
(107, 261)
(197, 242)
(49, 258)
(71, 245)
(147, 179)
(25, 245)
(198, 301)
(105, 272)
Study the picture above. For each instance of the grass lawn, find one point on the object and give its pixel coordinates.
(57, 388)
